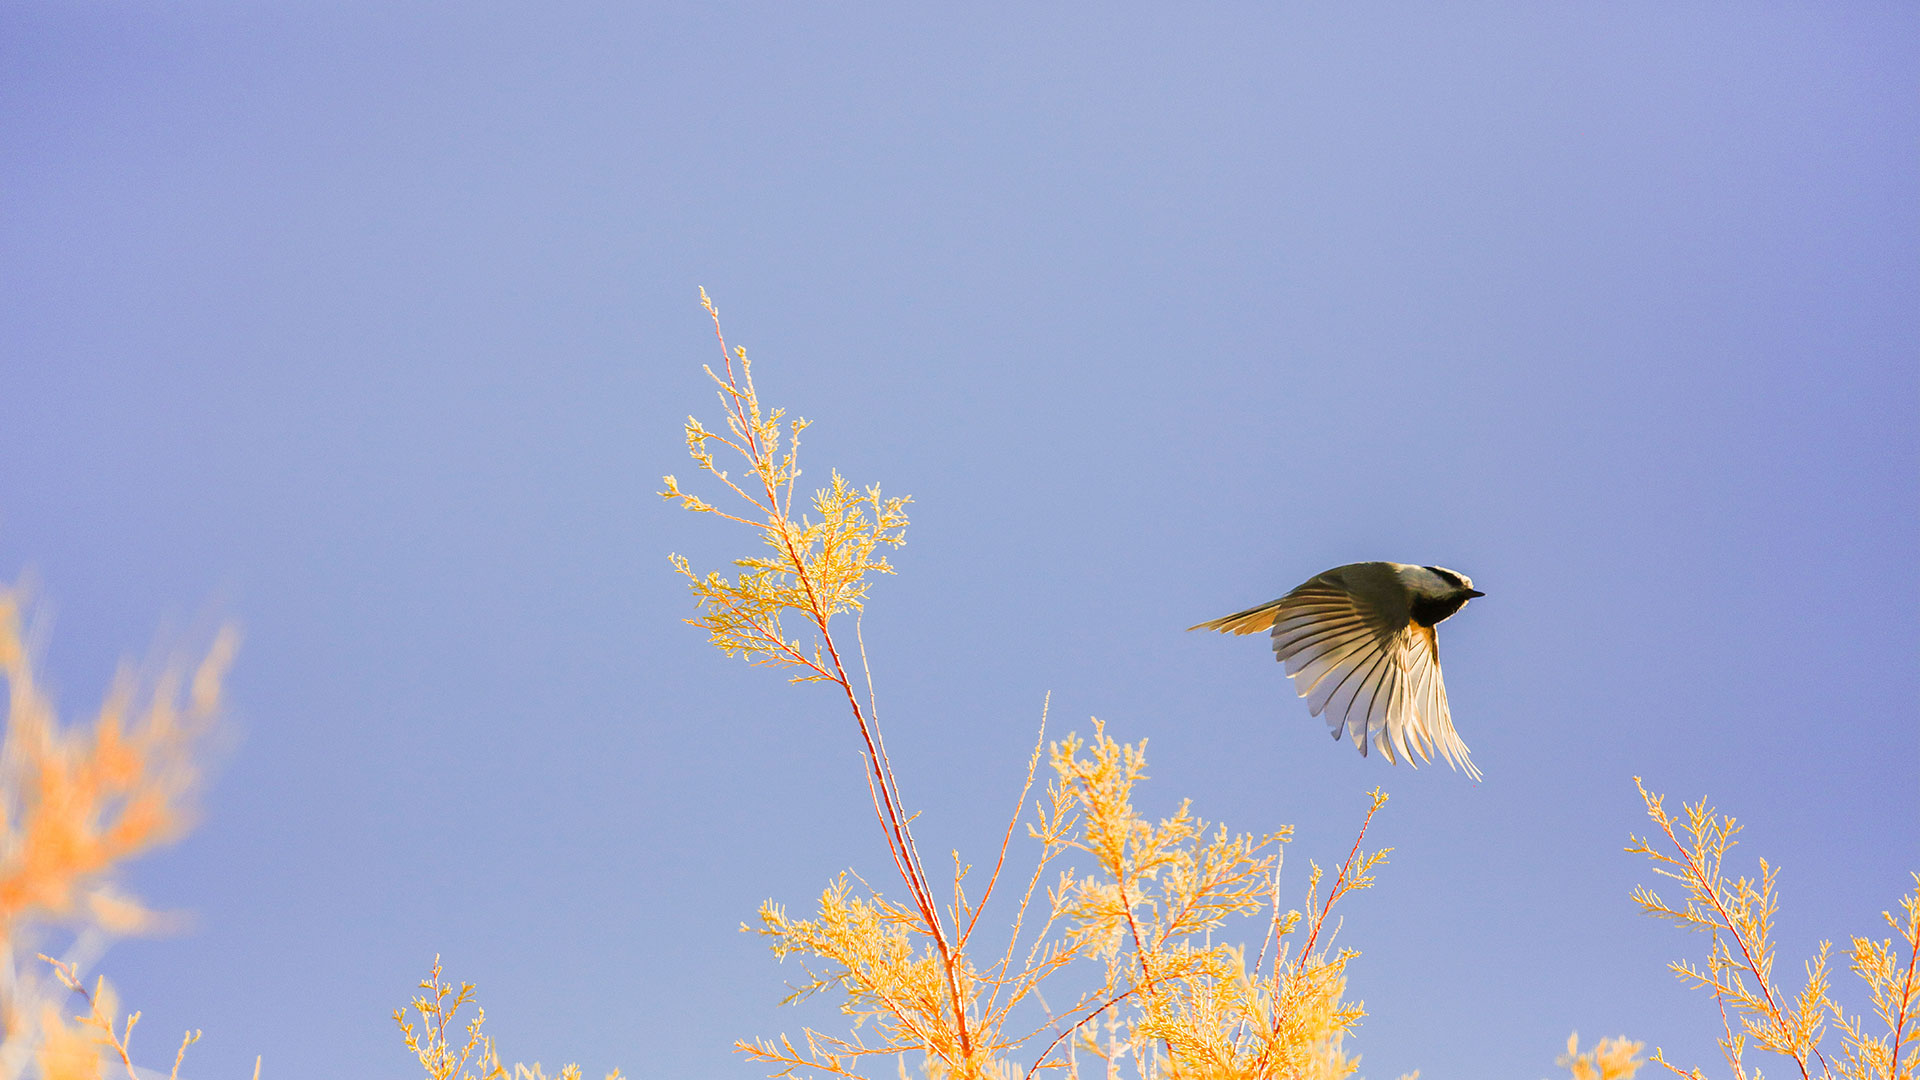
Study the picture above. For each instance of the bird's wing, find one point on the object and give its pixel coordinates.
(1367, 667)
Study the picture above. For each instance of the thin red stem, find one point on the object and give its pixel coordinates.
(898, 833)
(1006, 840)
(1335, 891)
(1082, 1022)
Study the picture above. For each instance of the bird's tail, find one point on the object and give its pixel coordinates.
(1250, 621)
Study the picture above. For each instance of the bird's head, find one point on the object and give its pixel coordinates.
(1462, 584)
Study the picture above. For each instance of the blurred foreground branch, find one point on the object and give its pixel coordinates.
(76, 804)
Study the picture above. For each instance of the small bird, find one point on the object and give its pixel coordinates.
(1359, 645)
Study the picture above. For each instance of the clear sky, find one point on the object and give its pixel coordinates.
(372, 326)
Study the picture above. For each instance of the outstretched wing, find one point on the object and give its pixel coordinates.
(1420, 723)
(1368, 668)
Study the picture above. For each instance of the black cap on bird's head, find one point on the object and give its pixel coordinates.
(1459, 580)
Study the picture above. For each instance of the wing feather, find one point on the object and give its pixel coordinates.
(1369, 704)
(1351, 667)
(1313, 662)
(1292, 643)
(1396, 734)
(1344, 702)
(1431, 721)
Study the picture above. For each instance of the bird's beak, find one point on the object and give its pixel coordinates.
(1471, 593)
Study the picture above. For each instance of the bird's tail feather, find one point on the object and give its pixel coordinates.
(1250, 621)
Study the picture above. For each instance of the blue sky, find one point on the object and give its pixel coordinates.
(374, 328)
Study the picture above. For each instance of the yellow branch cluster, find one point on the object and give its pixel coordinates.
(1156, 996)
(435, 1037)
(815, 565)
(1737, 914)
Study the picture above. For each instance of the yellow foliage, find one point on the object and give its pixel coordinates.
(1737, 915)
(1140, 919)
(1610, 1059)
(437, 1011)
(75, 803)
(814, 566)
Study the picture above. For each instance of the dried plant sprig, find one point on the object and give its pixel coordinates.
(431, 1035)
(1737, 914)
(815, 567)
(80, 1053)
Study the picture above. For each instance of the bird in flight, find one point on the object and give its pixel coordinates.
(1359, 645)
